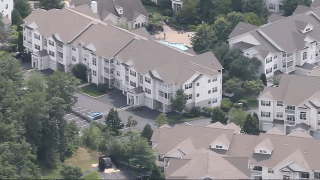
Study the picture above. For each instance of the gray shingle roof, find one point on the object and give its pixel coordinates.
(292, 89)
(5, 20)
(86, 9)
(315, 4)
(243, 45)
(301, 9)
(242, 28)
(307, 66)
(132, 8)
(137, 90)
(300, 25)
(275, 17)
(42, 53)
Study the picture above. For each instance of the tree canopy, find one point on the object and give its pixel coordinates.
(290, 6)
(113, 121)
(256, 6)
(237, 116)
(147, 132)
(178, 103)
(51, 4)
(219, 116)
(161, 119)
(250, 125)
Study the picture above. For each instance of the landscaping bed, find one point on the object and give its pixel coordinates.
(96, 91)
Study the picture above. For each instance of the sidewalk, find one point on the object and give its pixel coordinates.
(83, 85)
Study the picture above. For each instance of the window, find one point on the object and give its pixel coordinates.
(45, 42)
(85, 59)
(269, 70)
(118, 73)
(279, 103)
(147, 90)
(304, 56)
(268, 60)
(209, 80)
(303, 115)
(36, 46)
(265, 114)
(94, 72)
(304, 175)
(257, 168)
(73, 48)
(209, 102)
(284, 54)
(189, 96)
(132, 73)
(37, 36)
(214, 100)
(7, 6)
(51, 53)
(94, 61)
(215, 89)
(144, 24)
(118, 63)
(317, 175)
(272, 6)
(270, 170)
(148, 80)
(275, 57)
(308, 29)
(291, 108)
(290, 118)
(141, 79)
(188, 86)
(198, 84)
(133, 84)
(280, 7)
(218, 147)
(111, 61)
(215, 79)
(24, 38)
(280, 114)
(74, 58)
(285, 177)
(198, 95)
(265, 103)
(275, 66)
(106, 60)
(137, 25)
(263, 151)
(51, 43)
(209, 92)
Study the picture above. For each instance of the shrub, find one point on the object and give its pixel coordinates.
(80, 72)
(167, 12)
(244, 102)
(103, 88)
(236, 105)
(195, 111)
(188, 115)
(148, 2)
(226, 104)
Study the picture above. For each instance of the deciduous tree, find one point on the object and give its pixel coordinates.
(178, 103)
(161, 119)
(237, 116)
(219, 116)
(131, 122)
(70, 172)
(51, 4)
(256, 6)
(204, 39)
(147, 132)
(113, 121)
(250, 125)
(80, 72)
(290, 5)
(254, 87)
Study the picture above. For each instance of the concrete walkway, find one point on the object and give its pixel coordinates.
(83, 85)
(89, 171)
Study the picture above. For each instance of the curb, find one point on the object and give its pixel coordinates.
(98, 96)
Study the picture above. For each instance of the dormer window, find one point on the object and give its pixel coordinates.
(120, 11)
(308, 29)
(218, 147)
(263, 151)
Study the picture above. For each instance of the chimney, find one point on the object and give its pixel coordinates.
(94, 7)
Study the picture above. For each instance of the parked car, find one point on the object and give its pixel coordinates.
(17, 55)
(121, 124)
(96, 116)
(25, 57)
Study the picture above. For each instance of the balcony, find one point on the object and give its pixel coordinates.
(27, 44)
(127, 73)
(29, 34)
(60, 48)
(287, 70)
(290, 122)
(127, 83)
(165, 88)
(108, 65)
(164, 100)
(290, 111)
(318, 58)
(108, 76)
(60, 59)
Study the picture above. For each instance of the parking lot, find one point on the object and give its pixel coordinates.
(81, 123)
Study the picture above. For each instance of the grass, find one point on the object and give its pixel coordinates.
(82, 158)
(153, 9)
(91, 91)
(252, 103)
(176, 119)
(132, 132)
(92, 175)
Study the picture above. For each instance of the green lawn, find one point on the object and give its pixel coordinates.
(82, 158)
(91, 91)
(252, 103)
(176, 119)
(92, 175)
(153, 9)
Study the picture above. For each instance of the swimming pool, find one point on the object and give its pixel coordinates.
(180, 46)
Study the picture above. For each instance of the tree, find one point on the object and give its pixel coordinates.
(113, 121)
(1, 23)
(23, 7)
(179, 102)
(223, 7)
(204, 39)
(147, 132)
(250, 125)
(290, 6)
(80, 72)
(237, 116)
(244, 68)
(73, 138)
(234, 18)
(205, 8)
(233, 85)
(156, 173)
(256, 6)
(189, 14)
(220, 50)
(161, 119)
(141, 154)
(219, 116)
(263, 78)
(51, 4)
(254, 19)
(237, 5)
(221, 27)
(165, 4)
(254, 87)
(4, 39)
(20, 42)
(131, 122)
(70, 172)
(226, 104)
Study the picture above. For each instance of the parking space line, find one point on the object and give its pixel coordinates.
(81, 121)
(84, 125)
(73, 118)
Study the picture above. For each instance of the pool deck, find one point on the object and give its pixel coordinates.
(172, 36)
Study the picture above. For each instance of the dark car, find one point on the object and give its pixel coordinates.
(25, 57)
(96, 116)
(17, 55)
(121, 124)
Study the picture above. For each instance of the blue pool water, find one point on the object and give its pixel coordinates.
(180, 46)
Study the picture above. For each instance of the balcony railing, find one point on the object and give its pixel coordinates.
(127, 73)
(127, 83)
(318, 58)
(29, 34)
(60, 59)
(108, 65)
(287, 70)
(109, 76)
(165, 88)
(59, 48)
(290, 122)
(290, 111)
(27, 44)
(164, 100)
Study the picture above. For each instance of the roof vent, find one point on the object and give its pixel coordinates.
(305, 152)
(105, 49)
(247, 145)
(240, 27)
(286, 144)
(272, 138)
(204, 135)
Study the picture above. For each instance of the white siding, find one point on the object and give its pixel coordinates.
(6, 7)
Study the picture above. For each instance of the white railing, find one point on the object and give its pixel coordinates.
(27, 44)
(60, 59)
(29, 34)
(127, 73)
(109, 76)
(164, 100)
(290, 122)
(108, 65)
(290, 111)
(127, 83)
(165, 88)
(60, 49)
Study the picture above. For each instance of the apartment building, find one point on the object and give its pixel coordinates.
(292, 106)
(221, 153)
(130, 14)
(147, 71)
(6, 7)
(284, 45)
